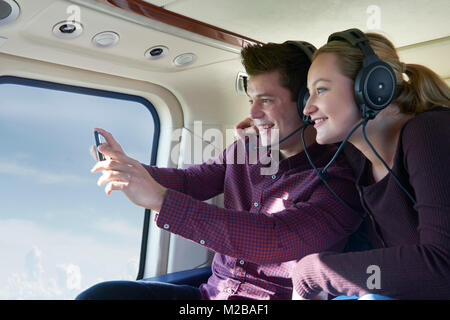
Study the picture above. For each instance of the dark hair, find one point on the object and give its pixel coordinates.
(290, 61)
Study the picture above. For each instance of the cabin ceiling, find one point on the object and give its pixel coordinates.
(419, 28)
(405, 22)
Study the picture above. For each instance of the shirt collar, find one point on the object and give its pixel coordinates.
(300, 160)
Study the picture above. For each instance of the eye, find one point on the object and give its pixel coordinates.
(266, 100)
(250, 101)
(321, 90)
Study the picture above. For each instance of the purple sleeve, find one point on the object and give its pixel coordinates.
(202, 181)
(322, 223)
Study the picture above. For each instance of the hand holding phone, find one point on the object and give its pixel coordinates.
(99, 139)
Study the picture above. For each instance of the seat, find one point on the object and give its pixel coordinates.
(193, 277)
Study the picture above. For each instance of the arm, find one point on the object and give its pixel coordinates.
(409, 271)
(146, 186)
(319, 224)
(202, 182)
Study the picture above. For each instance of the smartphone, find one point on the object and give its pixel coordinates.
(99, 139)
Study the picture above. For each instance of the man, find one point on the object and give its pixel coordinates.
(268, 221)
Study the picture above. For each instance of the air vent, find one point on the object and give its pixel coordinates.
(9, 11)
(241, 83)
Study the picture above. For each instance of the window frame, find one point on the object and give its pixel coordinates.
(6, 79)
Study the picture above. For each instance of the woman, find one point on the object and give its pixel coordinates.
(412, 136)
(408, 219)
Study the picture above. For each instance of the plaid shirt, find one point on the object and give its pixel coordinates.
(268, 222)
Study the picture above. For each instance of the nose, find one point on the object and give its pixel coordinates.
(256, 111)
(309, 108)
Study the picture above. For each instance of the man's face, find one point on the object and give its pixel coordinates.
(272, 108)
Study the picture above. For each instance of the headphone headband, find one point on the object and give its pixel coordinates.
(375, 84)
(304, 46)
(356, 38)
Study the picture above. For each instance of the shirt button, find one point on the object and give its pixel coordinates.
(274, 177)
(255, 204)
(202, 242)
(229, 290)
(241, 262)
(166, 226)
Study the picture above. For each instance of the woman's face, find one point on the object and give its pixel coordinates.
(331, 104)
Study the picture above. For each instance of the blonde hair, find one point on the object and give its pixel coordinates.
(423, 90)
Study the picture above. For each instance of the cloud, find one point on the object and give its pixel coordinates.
(130, 270)
(118, 227)
(39, 262)
(36, 283)
(33, 264)
(12, 168)
(70, 276)
(33, 283)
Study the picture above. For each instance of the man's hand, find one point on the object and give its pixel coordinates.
(245, 128)
(127, 175)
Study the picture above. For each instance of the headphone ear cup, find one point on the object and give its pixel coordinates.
(375, 87)
(303, 97)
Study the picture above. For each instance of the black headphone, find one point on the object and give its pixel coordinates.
(374, 89)
(308, 49)
(375, 84)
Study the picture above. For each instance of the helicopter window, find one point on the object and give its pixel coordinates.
(59, 232)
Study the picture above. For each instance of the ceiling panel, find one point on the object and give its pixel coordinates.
(409, 24)
(404, 21)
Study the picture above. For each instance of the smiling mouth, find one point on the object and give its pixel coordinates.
(319, 122)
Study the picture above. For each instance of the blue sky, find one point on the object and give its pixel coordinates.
(59, 232)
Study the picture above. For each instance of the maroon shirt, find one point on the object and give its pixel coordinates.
(268, 222)
(415, 263)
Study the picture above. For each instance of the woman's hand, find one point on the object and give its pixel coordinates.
(245, 128)
(127, 175)
(321, 296)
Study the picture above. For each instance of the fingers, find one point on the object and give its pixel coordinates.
(112, 153)
(115, 185)
(245, 128)
(116, 176)
(111, 147)
(247, 122)
(242, 133)
(108, 136)
(115, 165)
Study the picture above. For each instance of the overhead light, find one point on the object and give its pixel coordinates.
(156, 52)
(184, 59)
(106, 39)
(9, 11)
(67, 29)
